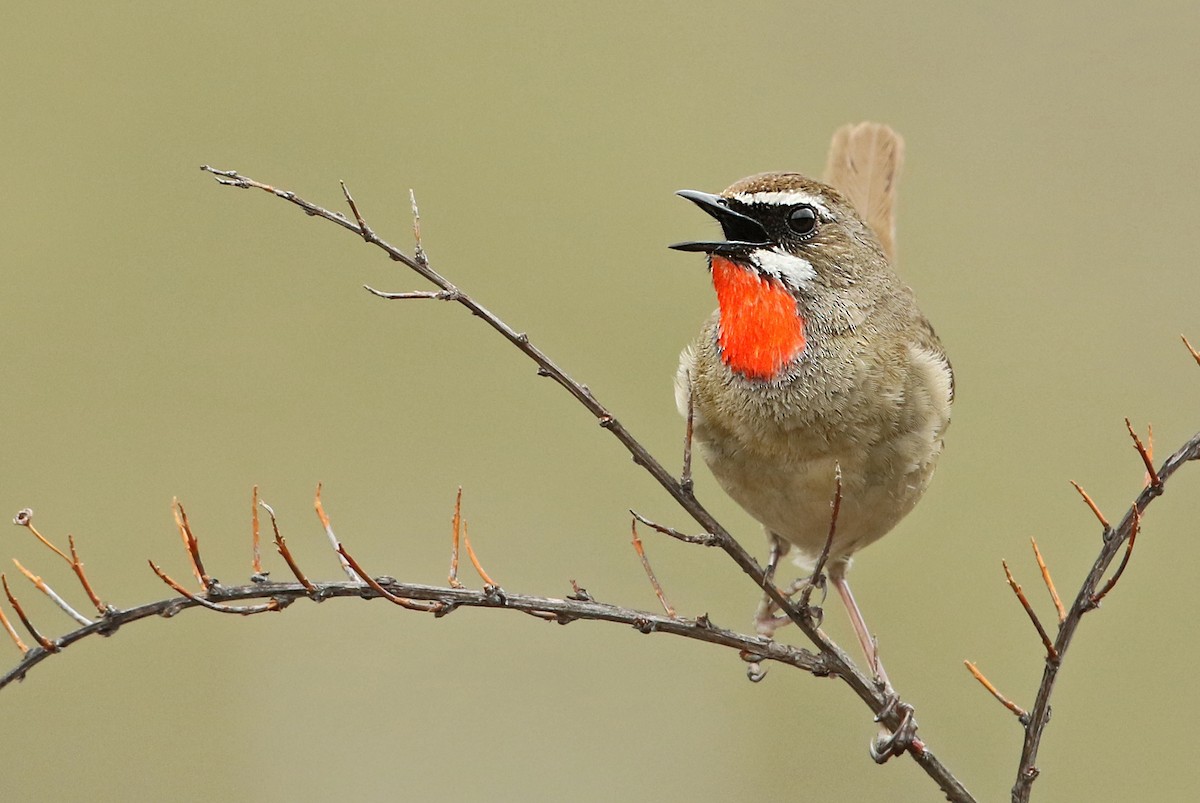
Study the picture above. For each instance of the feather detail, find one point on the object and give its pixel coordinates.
(864, 165)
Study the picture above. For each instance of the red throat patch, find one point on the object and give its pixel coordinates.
(761, 327)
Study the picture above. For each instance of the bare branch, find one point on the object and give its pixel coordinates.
(241, 610)
(1051, 653)
(333, 540)
(45, 643)
(707, 539)
(565, 610)
(1094, 601)
(1146, 454)
(24, 518)
(45, 588)
(374, 585)
(641, 551)
(190, 544)
(488, 582)
(282, 547)
(418, 247)
(1058, 606)
(12, 634)
(819, 568)
(456, 529)
(685, 476)
(1195, 354)
(1091, 504)
(1021, 713)
(1115, 538)
(77, 567)
(256, 560)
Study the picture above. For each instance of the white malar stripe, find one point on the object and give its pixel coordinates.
(785, 198)
(793, 270)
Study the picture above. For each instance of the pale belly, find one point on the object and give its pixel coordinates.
(792, 496)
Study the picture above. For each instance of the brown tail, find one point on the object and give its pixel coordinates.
(864, 165)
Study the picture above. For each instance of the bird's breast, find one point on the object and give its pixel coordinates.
(761, 328)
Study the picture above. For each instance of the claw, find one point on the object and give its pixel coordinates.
(888, 745)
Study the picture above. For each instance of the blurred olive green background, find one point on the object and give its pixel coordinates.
(165, 336)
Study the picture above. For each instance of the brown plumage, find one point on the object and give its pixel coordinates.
(864, 165)
(865, 390)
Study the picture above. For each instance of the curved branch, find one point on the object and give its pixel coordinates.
(564, 611)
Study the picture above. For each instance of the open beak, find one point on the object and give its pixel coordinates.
(742, 233)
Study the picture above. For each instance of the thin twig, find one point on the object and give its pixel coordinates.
(77, 567)
(641, 551)
(455, 530)
(256, 556)
(24, 518)
(487, 581)
(418, 247)
(1058, 606)
(707, 539)
(333, 540)
(1095, 508)
(364, 229)
(817, 577)
(240, 610)
(45, 643)
(1147, 459)
(281, 545)
(685, 476)
(1051, 653)
(374, 585)
(45, 588)
(12, 634)
(438, 295)
(1112, 581)
(190, 544)
(1195, 354)
(1021, 713)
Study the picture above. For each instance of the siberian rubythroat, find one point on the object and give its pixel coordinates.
(817, 359)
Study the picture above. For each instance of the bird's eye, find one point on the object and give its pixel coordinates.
(802, 220)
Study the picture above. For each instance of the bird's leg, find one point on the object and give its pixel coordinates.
(886, 744)
(870, 649)
(765, 620)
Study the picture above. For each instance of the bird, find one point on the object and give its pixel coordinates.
(817, 370)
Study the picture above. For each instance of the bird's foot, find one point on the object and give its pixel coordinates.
(767, 619)
(895, 743)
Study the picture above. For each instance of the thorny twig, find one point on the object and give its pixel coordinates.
(280, 595)
(1021, 713)
(641, 552)
(282, 547)
(1051, 653)
(1115, 539)
(1049, 581)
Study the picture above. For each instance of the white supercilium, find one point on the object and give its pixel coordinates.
(785, 198)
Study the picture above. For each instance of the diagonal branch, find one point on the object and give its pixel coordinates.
(1115, 539)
